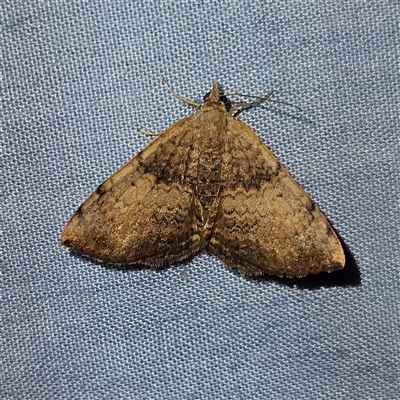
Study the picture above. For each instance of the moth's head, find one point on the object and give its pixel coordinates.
(216, 97)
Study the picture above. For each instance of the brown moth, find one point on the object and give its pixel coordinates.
(206, 183)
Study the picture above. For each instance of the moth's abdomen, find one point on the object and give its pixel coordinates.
(208, 183)
(209, 168)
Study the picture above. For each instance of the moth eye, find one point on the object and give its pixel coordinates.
(206, 96)
(223, 98)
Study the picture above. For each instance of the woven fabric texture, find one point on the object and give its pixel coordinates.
(78, 80)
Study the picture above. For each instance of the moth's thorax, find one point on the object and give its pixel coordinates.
(217, 105)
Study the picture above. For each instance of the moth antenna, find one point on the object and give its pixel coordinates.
(179, 96)
(261, 100)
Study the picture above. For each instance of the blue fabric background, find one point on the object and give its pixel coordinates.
(79, 78)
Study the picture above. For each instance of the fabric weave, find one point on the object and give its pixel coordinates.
(79, 78)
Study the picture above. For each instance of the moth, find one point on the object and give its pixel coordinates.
(206, 183)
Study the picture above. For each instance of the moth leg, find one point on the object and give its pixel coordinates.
(239, 107)
(148, 133)
(179, 96)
